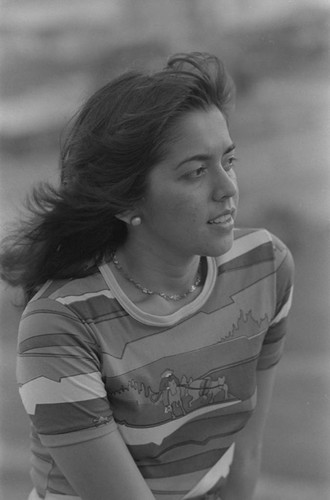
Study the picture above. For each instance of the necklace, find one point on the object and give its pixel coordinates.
(147, 291)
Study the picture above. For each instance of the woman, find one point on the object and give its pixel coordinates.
(152, 323)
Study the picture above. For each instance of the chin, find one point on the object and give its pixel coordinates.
(220, 248)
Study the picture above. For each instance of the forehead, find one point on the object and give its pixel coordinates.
(199, 129)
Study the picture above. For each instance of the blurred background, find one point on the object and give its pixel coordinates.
(56, 53)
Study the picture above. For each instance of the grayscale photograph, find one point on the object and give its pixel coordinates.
(164, 250)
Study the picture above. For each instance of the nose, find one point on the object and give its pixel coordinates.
(224, 185)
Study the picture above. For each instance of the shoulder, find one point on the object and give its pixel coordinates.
(257, 254)
(255, 245)
(67, 300)
(249, 238)
(259, 246)
(59, 289)
(62, 309)
(282, 256)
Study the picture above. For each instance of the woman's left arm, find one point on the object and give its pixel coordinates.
(246, 463)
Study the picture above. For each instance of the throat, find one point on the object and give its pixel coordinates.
(148, 294)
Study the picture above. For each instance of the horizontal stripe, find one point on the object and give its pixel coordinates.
(258, 255)
(47, 307)
(175, 487)
(63, 351)
(65, 287)
(30, 367)
(105, 317)
(204, 433)
(270, 355)
(77, 388)
(275, 333)
(61, 418)
(86, 296)
(78, 436)
(203, 460)
(285, 309)
(39, 342)
(245, 244)
(219, 470)
(136, 436)
(194, 446)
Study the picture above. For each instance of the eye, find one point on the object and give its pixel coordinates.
(230, 163)
(195, 174)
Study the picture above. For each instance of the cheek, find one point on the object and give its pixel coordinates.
(179, 214)
(171, 203)
(186, 208)
(186, 221)
(179, 218)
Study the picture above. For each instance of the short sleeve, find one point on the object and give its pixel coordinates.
(273, 343)
(59, 375)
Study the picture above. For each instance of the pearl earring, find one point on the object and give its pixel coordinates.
(136, 220)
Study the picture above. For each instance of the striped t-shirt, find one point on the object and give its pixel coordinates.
(177, 387)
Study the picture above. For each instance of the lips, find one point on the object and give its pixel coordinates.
(224, 218)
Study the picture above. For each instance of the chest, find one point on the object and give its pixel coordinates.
(161, 374)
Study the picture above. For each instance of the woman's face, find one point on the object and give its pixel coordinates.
(191, 200)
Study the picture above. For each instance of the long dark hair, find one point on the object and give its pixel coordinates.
(118, 136)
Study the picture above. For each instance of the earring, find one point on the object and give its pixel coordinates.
(136, 220)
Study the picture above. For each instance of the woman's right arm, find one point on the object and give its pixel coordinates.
(62, 389)
(102, 469)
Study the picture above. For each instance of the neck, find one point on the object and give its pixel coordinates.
(173, 274)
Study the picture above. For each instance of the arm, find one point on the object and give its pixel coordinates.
(59, 373)
(102, 469)
(246, 464)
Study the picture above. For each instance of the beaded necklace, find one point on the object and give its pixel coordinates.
(147, 291)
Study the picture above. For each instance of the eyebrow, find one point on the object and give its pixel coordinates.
(204, 157)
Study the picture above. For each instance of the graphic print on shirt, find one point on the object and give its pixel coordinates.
(171, 389)
(181, 396)
(176, 397)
